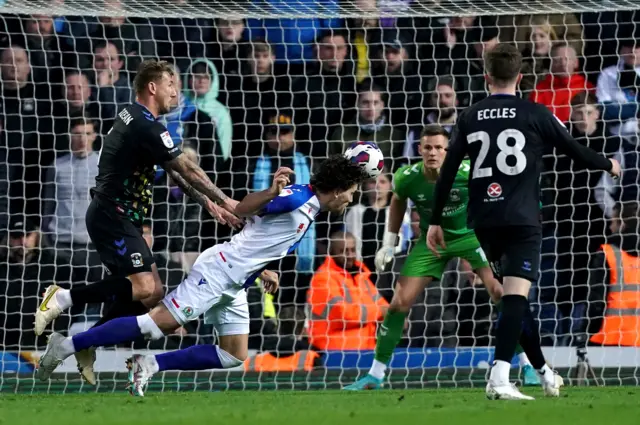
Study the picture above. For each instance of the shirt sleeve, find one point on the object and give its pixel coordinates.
(288, 200)
(455, 154)
(160, 145)
(553, 130)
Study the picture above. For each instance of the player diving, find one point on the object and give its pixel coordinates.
(278, 218)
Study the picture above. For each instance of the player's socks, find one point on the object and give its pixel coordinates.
(123, 309)
(530, 341)
(110, 289)
(119, 330)
(507, 335)
(197, 357)
(388, 338)
(116, 331)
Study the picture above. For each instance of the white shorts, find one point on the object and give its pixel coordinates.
(209, 291)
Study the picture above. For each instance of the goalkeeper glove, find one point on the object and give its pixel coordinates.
(385, 255)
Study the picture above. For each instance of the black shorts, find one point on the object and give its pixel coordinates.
(119, 242)
(512, 250)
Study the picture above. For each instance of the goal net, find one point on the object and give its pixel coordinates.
(264, 84)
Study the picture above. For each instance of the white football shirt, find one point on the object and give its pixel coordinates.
(269, 236)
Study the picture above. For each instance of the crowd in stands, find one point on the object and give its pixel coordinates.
(258, 94)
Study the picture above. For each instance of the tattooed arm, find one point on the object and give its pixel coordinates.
(196, 184)
(188, 189)
(196, 178)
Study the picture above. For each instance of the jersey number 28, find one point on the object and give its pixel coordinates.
(505, 152)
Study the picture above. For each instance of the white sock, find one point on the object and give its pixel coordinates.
(500, 373)
(227, 360)
(67, 348)
(378, 369)
(148, 327)
(547, 374)
(63, 298)
(152, 363)
(523, 360)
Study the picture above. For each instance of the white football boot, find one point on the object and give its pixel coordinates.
(551, 386)
(141, 369)
(506, 391)
(86, 359)
(49, 309)
(52, 357)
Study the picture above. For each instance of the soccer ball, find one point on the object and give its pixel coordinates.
(368, 156)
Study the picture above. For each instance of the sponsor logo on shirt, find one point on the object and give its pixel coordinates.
(286, 192)
(494, 190)
(166, 139)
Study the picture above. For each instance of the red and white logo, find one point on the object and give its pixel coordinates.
(300, 228)
(286, 192)
(494, 190)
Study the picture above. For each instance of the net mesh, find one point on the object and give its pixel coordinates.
(265, 84)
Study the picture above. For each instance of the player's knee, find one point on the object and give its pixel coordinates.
(400, 304)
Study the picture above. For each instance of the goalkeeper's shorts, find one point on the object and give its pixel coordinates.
(421, 262)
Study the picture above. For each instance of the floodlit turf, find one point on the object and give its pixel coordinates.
(579, 406)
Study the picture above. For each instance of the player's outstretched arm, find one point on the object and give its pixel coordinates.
(556, 132)
(455, 154)
(198, 179)
(221, 215)
(255, 202)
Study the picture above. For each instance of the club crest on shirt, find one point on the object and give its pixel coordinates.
(136, 260)
(454, 195)
(166, 139)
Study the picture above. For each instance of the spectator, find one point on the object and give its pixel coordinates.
(612, 315)
(282, 151)
(48, 54)
(469, 73)
(293, 39)
(367, 223)
(325, 97)
(25, 121)
(112, 87)
(519, 28)
(181, 39)
(442, 110)
(370, 125)
(617, 89)
(26, 269)
(443, 44)
(176, 219)
(397, 75)
(226, 51)
(536, 50)
(133, 37)
(75, 102)
(66, 193)
(344, 303)
(579, 222)
(363, 35)
(201, 86)
(563, 83)
(262, 93)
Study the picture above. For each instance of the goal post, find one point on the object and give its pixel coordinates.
(250, 74)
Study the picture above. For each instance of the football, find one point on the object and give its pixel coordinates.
(368, 156)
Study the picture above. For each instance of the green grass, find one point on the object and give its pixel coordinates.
(579, 406)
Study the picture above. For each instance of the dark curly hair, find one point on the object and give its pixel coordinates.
(337, 173)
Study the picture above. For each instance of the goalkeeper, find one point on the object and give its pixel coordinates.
(416, 182)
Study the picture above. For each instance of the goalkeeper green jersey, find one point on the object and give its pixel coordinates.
(409, 182)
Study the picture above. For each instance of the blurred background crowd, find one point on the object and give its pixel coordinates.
(256, 94)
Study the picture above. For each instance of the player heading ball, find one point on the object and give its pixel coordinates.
(505, 138)
(215, 288)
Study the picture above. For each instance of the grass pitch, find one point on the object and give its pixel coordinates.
(579, 406)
